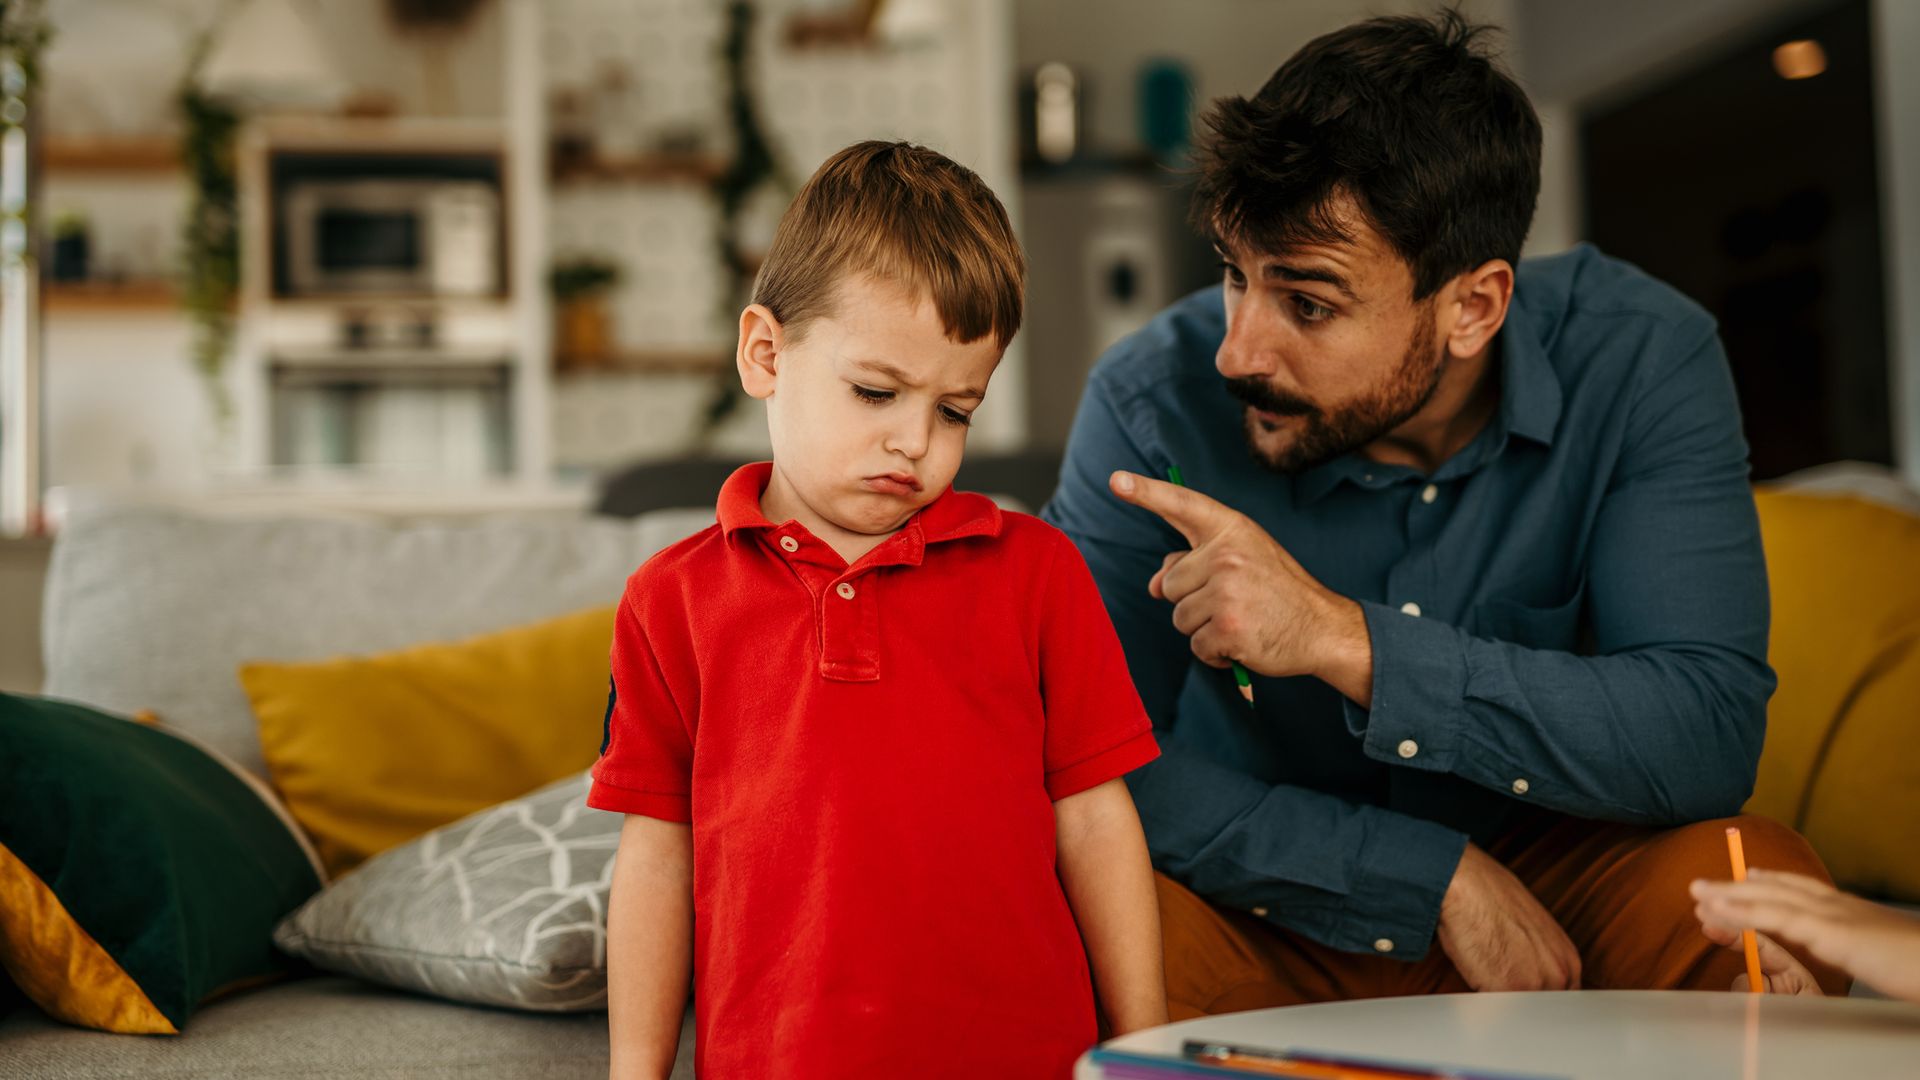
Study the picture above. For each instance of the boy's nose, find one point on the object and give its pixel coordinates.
(910, 439)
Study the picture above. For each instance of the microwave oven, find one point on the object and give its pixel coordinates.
(392, 235)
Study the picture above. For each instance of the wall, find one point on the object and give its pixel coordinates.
(1230, 46)
(1574, 55)
(1897, 37)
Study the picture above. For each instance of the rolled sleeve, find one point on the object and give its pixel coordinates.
(1404, 868)
(1419, 684)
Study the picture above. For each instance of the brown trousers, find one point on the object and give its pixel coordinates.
(1619, 890)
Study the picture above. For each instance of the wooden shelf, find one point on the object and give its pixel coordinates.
(110, 295)
(646, 169)
(121, 155)
(649, 362)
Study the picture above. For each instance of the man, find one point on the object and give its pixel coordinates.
(1482, 534)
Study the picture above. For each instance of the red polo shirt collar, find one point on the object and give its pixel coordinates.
(953, 516)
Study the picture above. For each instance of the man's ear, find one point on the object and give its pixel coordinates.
(758, 354)
(1478, 307)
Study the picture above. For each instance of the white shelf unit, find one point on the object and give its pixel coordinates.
(449, 411)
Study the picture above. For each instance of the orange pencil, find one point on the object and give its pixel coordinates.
(1755, 983)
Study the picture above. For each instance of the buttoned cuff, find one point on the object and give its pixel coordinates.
(1419, 689)
(1404, 869)
(653, 804)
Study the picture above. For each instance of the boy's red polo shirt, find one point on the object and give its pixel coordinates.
(869, 757)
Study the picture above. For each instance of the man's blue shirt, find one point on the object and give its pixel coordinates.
(1570, 613)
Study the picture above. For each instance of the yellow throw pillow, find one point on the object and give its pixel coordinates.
(370, 752)
(1846, 645)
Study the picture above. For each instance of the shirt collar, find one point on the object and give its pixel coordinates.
(953, 515)
(1530, 404)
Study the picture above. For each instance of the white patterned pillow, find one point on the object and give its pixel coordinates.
(504, 907)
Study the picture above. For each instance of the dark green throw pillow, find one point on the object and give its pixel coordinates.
(139, 874)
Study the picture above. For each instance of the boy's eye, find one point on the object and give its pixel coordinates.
(869, 394)
(1309, 309)
(1233, 275)
(955, 417)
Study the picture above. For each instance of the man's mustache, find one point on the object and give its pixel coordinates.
(1258, 394)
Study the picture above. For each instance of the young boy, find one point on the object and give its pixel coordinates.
(868, 732)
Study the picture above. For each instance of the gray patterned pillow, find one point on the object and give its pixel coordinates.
(504, 907)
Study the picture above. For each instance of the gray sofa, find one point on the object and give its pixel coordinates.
(149, 608)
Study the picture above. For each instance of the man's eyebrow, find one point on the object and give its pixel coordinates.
(1307, 273)
(1284, 272)
(881, 367)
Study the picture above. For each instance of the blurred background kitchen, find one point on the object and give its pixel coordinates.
(426, 256)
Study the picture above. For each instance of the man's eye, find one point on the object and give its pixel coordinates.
(1310, 311)
(873, 396)
(1234, 277)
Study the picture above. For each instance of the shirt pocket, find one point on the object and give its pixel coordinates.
(1562, 627)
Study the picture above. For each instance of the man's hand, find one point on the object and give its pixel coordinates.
(1873, 943)
(1238, 595)
(1498, 936)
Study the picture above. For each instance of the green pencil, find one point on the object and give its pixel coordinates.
(1240, 676)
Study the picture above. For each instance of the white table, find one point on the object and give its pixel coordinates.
(1591, 1035)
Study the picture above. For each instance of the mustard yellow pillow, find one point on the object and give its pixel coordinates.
(370, 752)
(1845, 578)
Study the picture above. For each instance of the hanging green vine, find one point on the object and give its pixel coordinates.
(24, 34)
(210, 255)
(752, 165)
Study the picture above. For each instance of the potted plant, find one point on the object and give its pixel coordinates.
(580, 284)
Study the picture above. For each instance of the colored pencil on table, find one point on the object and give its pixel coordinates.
(1240, 677)
(1756, 983)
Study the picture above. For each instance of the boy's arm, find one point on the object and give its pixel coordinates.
(649, 945)
(1109, 883)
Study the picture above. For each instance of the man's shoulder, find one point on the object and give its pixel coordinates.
(1582, 302)
(1176, 344)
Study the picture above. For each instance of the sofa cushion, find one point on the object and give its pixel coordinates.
(1846, 646)
(155, 608)
(507, 907)
(138, 874)
(372, 751)
(328, 1028)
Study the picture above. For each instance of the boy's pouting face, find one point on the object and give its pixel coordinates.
(868, 408)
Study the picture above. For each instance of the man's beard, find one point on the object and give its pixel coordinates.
(1323, 436)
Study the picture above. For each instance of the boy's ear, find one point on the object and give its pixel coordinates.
(758, 354)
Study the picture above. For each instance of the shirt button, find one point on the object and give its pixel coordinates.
(1520, 787)
(1429, 493)
(1383, 945)
(1408, 748)
(845, 590)
(1410, 608)
(1367, 477)
(789, 543)
(1260, 912)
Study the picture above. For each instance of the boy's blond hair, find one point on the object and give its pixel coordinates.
(905, 214)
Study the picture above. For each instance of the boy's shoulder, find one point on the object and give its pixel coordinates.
(1028, 541)
(666, 570)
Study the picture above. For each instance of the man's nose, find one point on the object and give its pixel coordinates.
(1249, 349)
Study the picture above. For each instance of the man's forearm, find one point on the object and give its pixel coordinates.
(1654, 736)
(649, 946)
(1108, 880)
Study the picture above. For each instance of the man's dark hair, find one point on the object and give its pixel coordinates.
(1407, 115)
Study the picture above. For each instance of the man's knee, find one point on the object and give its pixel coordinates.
(1766, 843)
